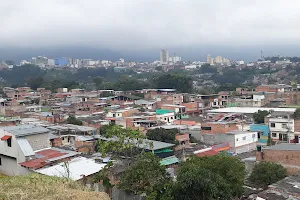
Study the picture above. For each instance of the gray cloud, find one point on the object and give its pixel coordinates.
(137, 24)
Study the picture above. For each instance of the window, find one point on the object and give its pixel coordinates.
(274, 134)
(171, 117)
(273, 125)
(244, 138)
(207, 128)
(283, 125)
(9, 142)
(62, 138)
(237, 139)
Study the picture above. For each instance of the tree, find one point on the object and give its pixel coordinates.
(259, 117)
(181, 82)
(163, 135)
(35, 82)
(207, 68)
(214, 177)
(296, 114)
(266, 173)
(119, 141)
(98, 81)
(145, 176)
(158, 68)
(72, 120)
(106, 94)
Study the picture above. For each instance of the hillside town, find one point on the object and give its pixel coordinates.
(41, 130)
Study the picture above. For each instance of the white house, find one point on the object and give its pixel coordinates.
(18, 144)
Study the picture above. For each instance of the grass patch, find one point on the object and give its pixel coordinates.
(38, 187)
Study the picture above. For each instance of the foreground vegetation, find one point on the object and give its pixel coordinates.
(36, 186)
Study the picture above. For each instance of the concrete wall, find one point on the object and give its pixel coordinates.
(9, 166)
(39, 141)
(12, 151)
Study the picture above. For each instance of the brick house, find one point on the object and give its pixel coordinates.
(218, 127)
(288, 155)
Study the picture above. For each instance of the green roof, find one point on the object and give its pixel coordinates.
(290, 106)
(162, 111)
(169, 160)
(163, 151)
(45, 109)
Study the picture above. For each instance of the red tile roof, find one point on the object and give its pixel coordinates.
(41, 162)
(207, 153)
(6, 137)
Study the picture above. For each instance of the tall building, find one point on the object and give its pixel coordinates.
(209, 59)
(164, 56)
(219, 59)
(174, 59)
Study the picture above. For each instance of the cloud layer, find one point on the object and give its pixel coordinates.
(142, 24)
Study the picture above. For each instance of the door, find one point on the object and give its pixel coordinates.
(282, 137)
(296, 138)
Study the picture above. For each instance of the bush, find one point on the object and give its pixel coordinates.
(266, 173)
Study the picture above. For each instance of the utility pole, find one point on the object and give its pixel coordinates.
(288, 128)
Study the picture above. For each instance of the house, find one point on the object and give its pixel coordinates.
(282, 127)
(218, 127)
(240, 141)
(263, 132)
(179, 110)
(148, 104)
(18, 144)
(288, 155)
(78, 168)
(287, 188)
(165, 116)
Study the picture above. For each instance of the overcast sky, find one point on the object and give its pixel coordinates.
(142, 24)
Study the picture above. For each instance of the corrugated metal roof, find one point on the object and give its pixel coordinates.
(24, 130)
(169, 160)
(84, 138)
(77, 167)
(145, 143)
(25, 146)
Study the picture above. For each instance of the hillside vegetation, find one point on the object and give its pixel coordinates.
(40, 187)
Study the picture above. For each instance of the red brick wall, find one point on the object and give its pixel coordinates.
(287, 158)
(56, 142)
(85, 146)
(218, 128)
(297, 125)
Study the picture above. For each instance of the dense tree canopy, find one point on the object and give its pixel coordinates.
(163, 135)
(296, 114)
(145, 176)
(259, 117)
(73, 120)
(214, 177)
(122, 141)
(207, 68)
(266, 173)
(181, 82)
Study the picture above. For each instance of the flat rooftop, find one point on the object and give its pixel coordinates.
(250, 110)
(284, 147)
